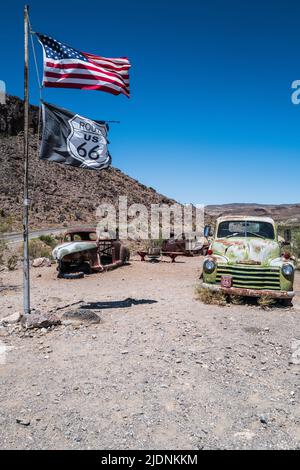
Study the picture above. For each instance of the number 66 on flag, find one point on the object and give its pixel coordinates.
(74, 140)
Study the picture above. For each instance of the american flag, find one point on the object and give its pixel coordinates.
(65, 67)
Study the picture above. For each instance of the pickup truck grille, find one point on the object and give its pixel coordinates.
(250, 277)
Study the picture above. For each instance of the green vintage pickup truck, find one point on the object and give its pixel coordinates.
(247, 258)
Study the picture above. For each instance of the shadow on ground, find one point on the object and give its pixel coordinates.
(117, 304)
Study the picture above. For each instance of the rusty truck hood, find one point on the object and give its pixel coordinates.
(246, 249)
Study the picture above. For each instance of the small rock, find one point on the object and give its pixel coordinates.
(41, 262)
(263, 419)
(11, 319)
(3, 332)
(124, 352)
(81, 315)
(40, 320)
(23, 421)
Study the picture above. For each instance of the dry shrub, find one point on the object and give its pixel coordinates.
(210, 297)
(49, 240)
(6, 223)
(3, 247)
(265, 301)
(38, 249)
(237, 299)
(12, 262)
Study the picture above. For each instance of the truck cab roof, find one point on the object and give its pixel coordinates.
(245, 217)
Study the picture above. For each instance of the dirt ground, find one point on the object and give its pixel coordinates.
(160, 371)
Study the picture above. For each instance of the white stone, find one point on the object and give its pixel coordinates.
(11, 319)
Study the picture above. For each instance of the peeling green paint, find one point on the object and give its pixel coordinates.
(240, 249)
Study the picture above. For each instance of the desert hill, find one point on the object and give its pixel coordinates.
(287, 213)
(60, 195)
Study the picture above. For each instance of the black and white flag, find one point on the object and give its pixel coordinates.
(74, 140)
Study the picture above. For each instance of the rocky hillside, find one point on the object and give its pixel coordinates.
(63, 195)
(12, 117)
(287, 213)
(59, 195)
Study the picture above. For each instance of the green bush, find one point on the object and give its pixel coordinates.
(38, 249)
(296, 243)
(49, 240)
(294, 247)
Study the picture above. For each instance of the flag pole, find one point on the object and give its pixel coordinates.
(26, 285)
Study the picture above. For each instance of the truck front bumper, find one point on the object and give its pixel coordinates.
(243, 292)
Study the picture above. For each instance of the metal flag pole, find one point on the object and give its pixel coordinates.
(26, 284)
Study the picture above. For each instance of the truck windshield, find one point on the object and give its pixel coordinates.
(245, 228)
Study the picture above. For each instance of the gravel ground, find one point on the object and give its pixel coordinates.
(160, 371)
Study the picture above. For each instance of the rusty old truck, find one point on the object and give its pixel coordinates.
(83, 252)
(247, 258)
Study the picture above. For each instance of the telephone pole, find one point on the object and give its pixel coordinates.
(26, 282)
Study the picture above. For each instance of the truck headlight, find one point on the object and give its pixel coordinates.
(209, 266)
(288, 271)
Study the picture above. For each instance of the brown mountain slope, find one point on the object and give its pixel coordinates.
(288, 213)
(60, 194)
(63, 195)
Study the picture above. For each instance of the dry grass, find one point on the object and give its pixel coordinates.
(209, 297)
(12, 262)
(38, 249)
(3, 247)
(237, 299)
(265, 301)
(219, 298)
(6, 223)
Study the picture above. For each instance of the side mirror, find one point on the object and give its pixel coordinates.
(208, 231)
(287, 236)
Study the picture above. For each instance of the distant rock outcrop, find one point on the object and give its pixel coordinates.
(288, 213)
(12, 117)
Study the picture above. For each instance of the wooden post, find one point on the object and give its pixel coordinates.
(26, 283)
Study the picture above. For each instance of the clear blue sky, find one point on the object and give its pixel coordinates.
(210, 119)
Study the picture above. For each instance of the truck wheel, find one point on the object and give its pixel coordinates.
(124, 254)
(79, 275)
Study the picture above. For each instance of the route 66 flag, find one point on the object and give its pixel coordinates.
(74, 140)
